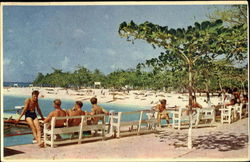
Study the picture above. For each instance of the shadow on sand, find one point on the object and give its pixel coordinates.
(216, 140)
(10, 152)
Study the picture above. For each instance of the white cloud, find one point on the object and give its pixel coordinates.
(110, 52)
(65, 63)
(10, 30)
(78, 33)
(21, 62)
(106, 16)
(6, 61)
(113, 66)
(91, 50)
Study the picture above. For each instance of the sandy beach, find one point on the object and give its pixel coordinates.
(133, 97)
(228, 142)
(221, 142)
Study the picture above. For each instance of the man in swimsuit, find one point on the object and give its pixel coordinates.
(58, 112)
(96, 109)
(161, 108)
(30, 105)
(75, 111)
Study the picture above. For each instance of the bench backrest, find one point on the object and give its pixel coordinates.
(83, 118)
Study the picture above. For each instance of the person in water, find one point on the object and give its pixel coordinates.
(29, 110)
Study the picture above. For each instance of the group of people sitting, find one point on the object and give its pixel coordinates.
(164, 114)
(31, 105)
(232, 97)
(228, 97)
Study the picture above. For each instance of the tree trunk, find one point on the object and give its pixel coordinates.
(243, 87)
(190, 108)
(220, 86)
(207, 92)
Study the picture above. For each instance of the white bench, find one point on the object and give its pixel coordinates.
(117, 124)
(206, 117)
(226, 114)
(181, 120)
(50, 130)
(203, 117)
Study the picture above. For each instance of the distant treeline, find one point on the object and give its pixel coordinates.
(139, 78)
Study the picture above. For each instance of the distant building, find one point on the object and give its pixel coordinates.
(15, 85)
(97, 84)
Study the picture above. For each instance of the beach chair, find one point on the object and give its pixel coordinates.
(181, 120)
(239, 110)
(206, 117)
(226, 114)
(117, 124)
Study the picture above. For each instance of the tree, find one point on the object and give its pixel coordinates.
(233, 15)
(38, 79)
(81, 77)
(201, 41)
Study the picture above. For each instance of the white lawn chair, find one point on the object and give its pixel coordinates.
(238, 110)
(226, 115)
(181, 120)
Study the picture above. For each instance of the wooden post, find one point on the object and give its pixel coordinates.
(53, 122)
(103, 127)
(179, 119)
(119, 124)
(45, 134)
(139, 127)
(81, 128)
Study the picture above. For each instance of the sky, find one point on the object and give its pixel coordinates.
(40, 38)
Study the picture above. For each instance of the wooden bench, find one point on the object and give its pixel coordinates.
(202, 118)
(50, 130)
(206, 117)
(181, 120)
(117, 124)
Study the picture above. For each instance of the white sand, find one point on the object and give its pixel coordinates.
(227, 141)
(138, 98)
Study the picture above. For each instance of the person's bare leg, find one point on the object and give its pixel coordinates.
(32, 126)
(38, 131)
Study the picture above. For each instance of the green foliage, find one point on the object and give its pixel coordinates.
(206, 50)
(233, 15)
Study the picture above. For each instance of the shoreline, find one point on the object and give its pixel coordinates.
(129, 106)
(133, 98)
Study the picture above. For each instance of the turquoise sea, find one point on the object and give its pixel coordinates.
(46, 105)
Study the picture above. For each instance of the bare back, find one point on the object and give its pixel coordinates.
(97, 110)
(57, 113)
(76, 121)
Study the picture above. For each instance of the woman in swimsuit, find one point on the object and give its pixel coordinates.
(30, 105)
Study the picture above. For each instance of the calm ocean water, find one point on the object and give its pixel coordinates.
(46, 105)
(20, 84)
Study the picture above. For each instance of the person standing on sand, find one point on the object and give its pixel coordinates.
(161, 108)
(30, 105)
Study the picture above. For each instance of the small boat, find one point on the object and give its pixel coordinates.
(19, 109)
(7, 128)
